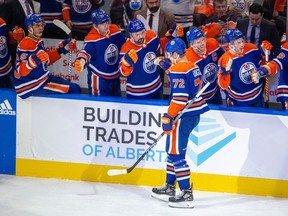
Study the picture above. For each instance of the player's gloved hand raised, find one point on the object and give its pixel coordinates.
(80, 64)
(226, 64)
(130, 58)
(162, 62)
(18, 33)
(176, 31)
(266, 48)
(263, 71)
(38, 58)
(66, 45)
(167, 123)
(266, 45)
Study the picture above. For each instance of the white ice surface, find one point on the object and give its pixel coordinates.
(26, 196)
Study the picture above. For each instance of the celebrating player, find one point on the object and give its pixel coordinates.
(31, 76)
(236, 66)
(100, 54)
(186, 80)
(137, 55)
(205, 53)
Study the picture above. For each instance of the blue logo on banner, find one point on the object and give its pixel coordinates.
(7, 131)
(208, 131)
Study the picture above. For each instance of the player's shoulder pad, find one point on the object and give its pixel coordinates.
(285, 45)
(150, 35)
(93, 35)
(28, 44)
(127, 46)
(227, 53)
(249, 47)
(212, 44)
(191, 55)
(183, 67)
(114, 28)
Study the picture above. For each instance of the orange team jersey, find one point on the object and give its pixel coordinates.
(27, 78)
(204, 7)
(186, 81)
(208, 65)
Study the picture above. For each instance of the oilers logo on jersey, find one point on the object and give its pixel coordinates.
(241, 4)
(3, 47)
(81, 6)
(210, 72)
(148, 63)
(111, 54)
(245, 72)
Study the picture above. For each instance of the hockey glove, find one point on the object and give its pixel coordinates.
(167, 123)
(226, 64)
(18, 33)
(80, 64)
(130, 58)
(261, 72)
(175, 31)
(66, 45)
(38, 58)
(266, 49)
(163, 63)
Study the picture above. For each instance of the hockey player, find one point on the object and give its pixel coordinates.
(31, 76)
(206, 53)
(236, 66)
(279, 64)
(186, 81)
(100, 54)
(6, 65)
(137, 55)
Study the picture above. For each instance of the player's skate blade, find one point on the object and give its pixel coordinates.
(185, 204)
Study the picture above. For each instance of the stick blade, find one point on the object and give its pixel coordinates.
(143, 20)
(62, 26)
(114, 172)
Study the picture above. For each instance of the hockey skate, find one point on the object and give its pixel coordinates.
(182, 200)
(164, 193)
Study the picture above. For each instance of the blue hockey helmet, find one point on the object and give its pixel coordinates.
(194, 34)
(32, 19)
(233, 34)
(176, 45)
(99, 16)
(135, 26)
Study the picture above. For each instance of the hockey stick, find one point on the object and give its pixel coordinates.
(114, 172)
(144, 21)
(68, 31)
(266, 87)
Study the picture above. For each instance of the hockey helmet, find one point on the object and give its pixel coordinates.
(135, 26)
(233, 34)
(99, 16)
(194, 34)
(176, 45)
(32, 19)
